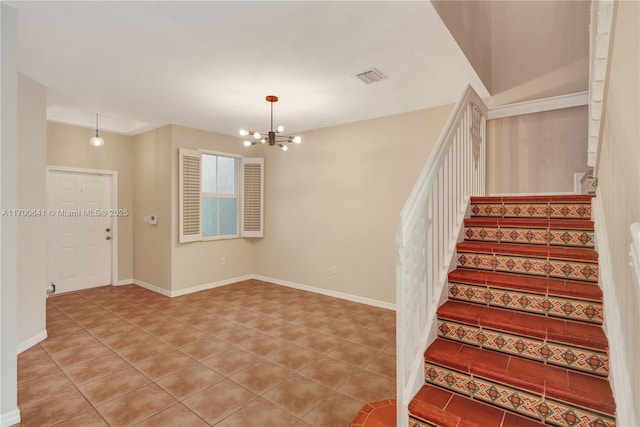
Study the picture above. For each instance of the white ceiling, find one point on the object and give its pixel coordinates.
(210, 64)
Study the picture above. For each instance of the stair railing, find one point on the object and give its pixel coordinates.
(428, 229)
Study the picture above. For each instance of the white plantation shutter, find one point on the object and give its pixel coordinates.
(252, 218)
(189, 188)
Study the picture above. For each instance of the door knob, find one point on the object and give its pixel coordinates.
(108, 229)
(108, 237)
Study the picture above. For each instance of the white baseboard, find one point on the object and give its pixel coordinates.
(206, 286)
(32, 341)
(203, 287)
(189, 290)
(10, 418)
(620, 384)
(122, 282)
(327, 292)
(153, 288)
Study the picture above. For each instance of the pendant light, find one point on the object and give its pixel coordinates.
(272, 138)
(97, 141)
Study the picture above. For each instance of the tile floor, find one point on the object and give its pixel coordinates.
(251, 353)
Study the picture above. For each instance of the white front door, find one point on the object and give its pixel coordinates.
(80, 230)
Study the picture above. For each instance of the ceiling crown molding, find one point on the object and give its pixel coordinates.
(539, 105)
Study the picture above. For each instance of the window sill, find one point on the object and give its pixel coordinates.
(225, 237)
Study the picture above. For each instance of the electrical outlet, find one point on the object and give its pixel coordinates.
(223, 261)
(334, 269)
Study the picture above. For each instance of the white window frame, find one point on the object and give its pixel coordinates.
(241, 189)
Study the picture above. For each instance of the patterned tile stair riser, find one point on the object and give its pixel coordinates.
(533, 405)
(451, 410)
(538, 236)
(522, 329)
(550, 305)
(576, 300)
(559, 354)
(550, 209)
(557, 268)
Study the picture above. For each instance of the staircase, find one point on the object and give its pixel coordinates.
(520, 339)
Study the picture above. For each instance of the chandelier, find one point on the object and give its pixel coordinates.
(272, 137)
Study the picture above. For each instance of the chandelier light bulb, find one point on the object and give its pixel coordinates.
(257, 135)
(247, 143)
(297, 139)
(285, 148)
(244, 132)
(280, 129)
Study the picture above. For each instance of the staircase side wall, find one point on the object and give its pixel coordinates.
(619, 195)
(536, 153)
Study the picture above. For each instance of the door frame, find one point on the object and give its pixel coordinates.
(114, 205)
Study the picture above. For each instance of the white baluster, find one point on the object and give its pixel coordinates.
(427, 232)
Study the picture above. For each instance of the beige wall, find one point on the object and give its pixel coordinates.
(152, 195)
(342, 190)
(335, 200)
(32, 194)
(332, 201)
(469, 21)
(198, 263)
(523, 50)
(536, 153)
(539, 49)
(69, 146)
(619, 178)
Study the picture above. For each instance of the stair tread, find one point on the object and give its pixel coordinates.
(527, 324)
(483, 365)
(560, 198)
(435, 404)
(538, 251)
(376, 414)
(572, 224)
(540, 285)
(553, 382)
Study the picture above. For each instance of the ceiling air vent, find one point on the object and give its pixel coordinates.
(372, 75)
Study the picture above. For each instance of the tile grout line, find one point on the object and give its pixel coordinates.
(344, 340)
(71, 381)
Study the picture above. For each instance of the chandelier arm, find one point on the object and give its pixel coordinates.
(284, 138)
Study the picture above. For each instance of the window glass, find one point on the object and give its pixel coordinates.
(209, 216)
(227, 216)
(209, 173)
(226, 175)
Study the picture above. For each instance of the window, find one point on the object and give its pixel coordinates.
(221, 196)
